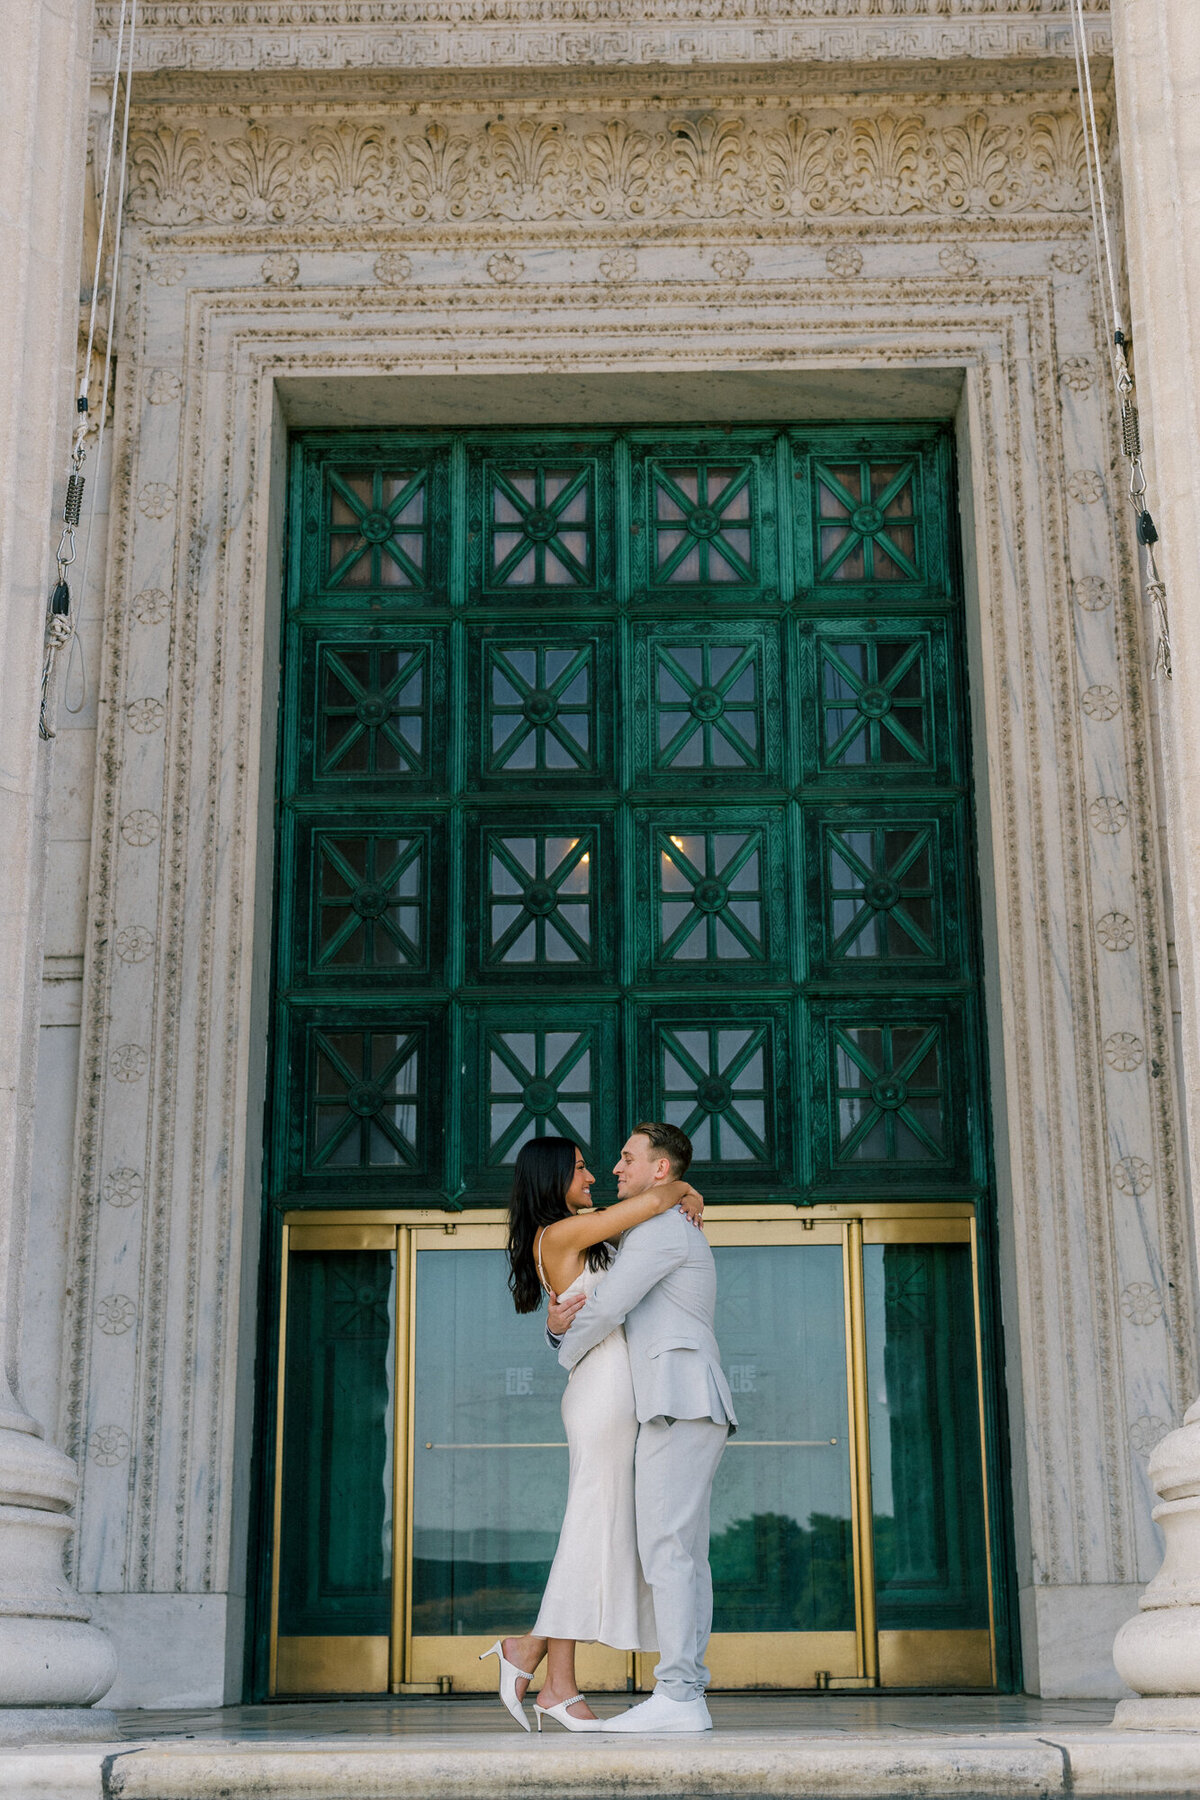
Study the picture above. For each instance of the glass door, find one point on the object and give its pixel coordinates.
(421, 1468)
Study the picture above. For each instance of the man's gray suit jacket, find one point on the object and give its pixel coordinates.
(662, 1286)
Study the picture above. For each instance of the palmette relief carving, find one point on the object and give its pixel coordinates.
(650, 165)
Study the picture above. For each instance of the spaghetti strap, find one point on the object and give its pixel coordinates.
(537, 1251)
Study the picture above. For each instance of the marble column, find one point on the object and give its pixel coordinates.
(50, 1657)
(1157, 61)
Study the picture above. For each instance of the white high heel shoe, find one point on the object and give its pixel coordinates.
(510, 1674)
(560, 1713)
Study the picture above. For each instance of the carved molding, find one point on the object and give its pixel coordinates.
(165, 1518)
(233, 35)
(641, 168)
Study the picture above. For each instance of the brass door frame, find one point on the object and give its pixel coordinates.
(890, 1658)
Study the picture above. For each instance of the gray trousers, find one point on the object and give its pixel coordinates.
(674, 1468)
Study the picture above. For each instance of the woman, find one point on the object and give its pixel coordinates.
(558, 1243)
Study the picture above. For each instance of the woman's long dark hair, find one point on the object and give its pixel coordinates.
(545, 1170)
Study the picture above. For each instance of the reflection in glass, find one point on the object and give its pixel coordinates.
(490, 1459)
(890, 1089)
(707, 700)
(881, 892)
(376, 528)
(335, 1567)
(372, 718)
(539, 1082)
(873, 697)
(866, 525)
(714, 1087)
(703, 528)
(540, 708)
(364, 1099)
(781, 1518)
(369, 901)
(926, 1468)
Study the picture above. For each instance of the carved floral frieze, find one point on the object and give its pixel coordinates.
(692, 168)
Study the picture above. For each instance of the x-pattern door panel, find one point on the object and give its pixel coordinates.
(626, 773)
(654, 735)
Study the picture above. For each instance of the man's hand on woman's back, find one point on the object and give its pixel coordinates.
(561, 1313)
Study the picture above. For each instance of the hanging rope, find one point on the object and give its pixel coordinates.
(61, 615)
(1131, 431)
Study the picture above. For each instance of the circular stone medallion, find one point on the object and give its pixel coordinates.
(866, 519)
(376, 527)
(540, 525)
(540, 899)
(364, 1099)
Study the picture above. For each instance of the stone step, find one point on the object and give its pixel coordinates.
(1090, 1764)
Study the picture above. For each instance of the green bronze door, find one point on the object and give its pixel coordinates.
(625, 774)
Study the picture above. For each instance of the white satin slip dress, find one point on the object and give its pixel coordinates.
(596, 1591)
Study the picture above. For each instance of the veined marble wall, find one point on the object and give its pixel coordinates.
(342, 247)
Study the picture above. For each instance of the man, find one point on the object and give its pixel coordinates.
(662, 1286)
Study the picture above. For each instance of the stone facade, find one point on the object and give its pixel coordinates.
(510, 212)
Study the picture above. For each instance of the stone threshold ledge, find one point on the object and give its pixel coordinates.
(1099, 1764)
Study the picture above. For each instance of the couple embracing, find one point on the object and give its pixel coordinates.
(647, 1412)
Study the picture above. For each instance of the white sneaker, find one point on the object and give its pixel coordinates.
(660, 1714)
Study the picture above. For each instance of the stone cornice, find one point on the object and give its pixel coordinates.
(242, 36)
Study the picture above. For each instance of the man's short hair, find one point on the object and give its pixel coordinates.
(670, 1142)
